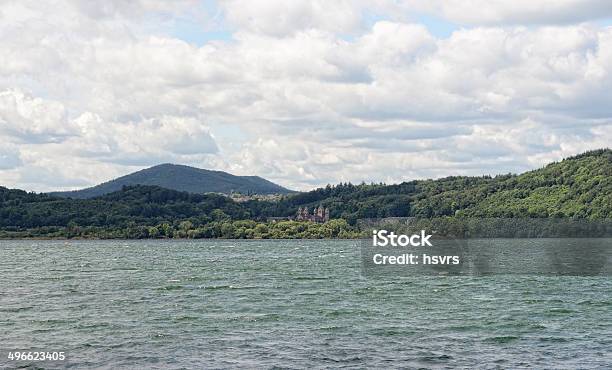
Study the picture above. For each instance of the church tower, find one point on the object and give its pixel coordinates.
(320, 212)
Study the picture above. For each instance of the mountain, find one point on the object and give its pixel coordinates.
(182, 178)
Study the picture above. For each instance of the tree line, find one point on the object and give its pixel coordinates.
(579, 188)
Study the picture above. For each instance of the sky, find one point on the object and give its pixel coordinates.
(303, 93)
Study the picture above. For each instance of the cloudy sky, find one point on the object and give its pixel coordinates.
(303, 93)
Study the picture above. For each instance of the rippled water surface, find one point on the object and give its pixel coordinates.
(298, 304)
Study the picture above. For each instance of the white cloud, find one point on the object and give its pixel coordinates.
(145, 142)
(30, 119)
(280, 18)
(319, 92)
(499, 12)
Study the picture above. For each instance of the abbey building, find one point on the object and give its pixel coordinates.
(319, 214)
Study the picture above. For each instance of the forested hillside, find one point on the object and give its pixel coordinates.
(578, 187)
(149, 212)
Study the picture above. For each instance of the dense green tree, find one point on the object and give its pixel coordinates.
(579, 187)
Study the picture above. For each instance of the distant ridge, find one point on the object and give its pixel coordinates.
(576, 188)
(182, 178)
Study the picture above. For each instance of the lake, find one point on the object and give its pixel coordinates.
(297, 304)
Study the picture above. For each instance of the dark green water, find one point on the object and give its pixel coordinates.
(296, 304)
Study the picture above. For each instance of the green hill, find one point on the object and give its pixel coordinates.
(579, 187)
(182, 178)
